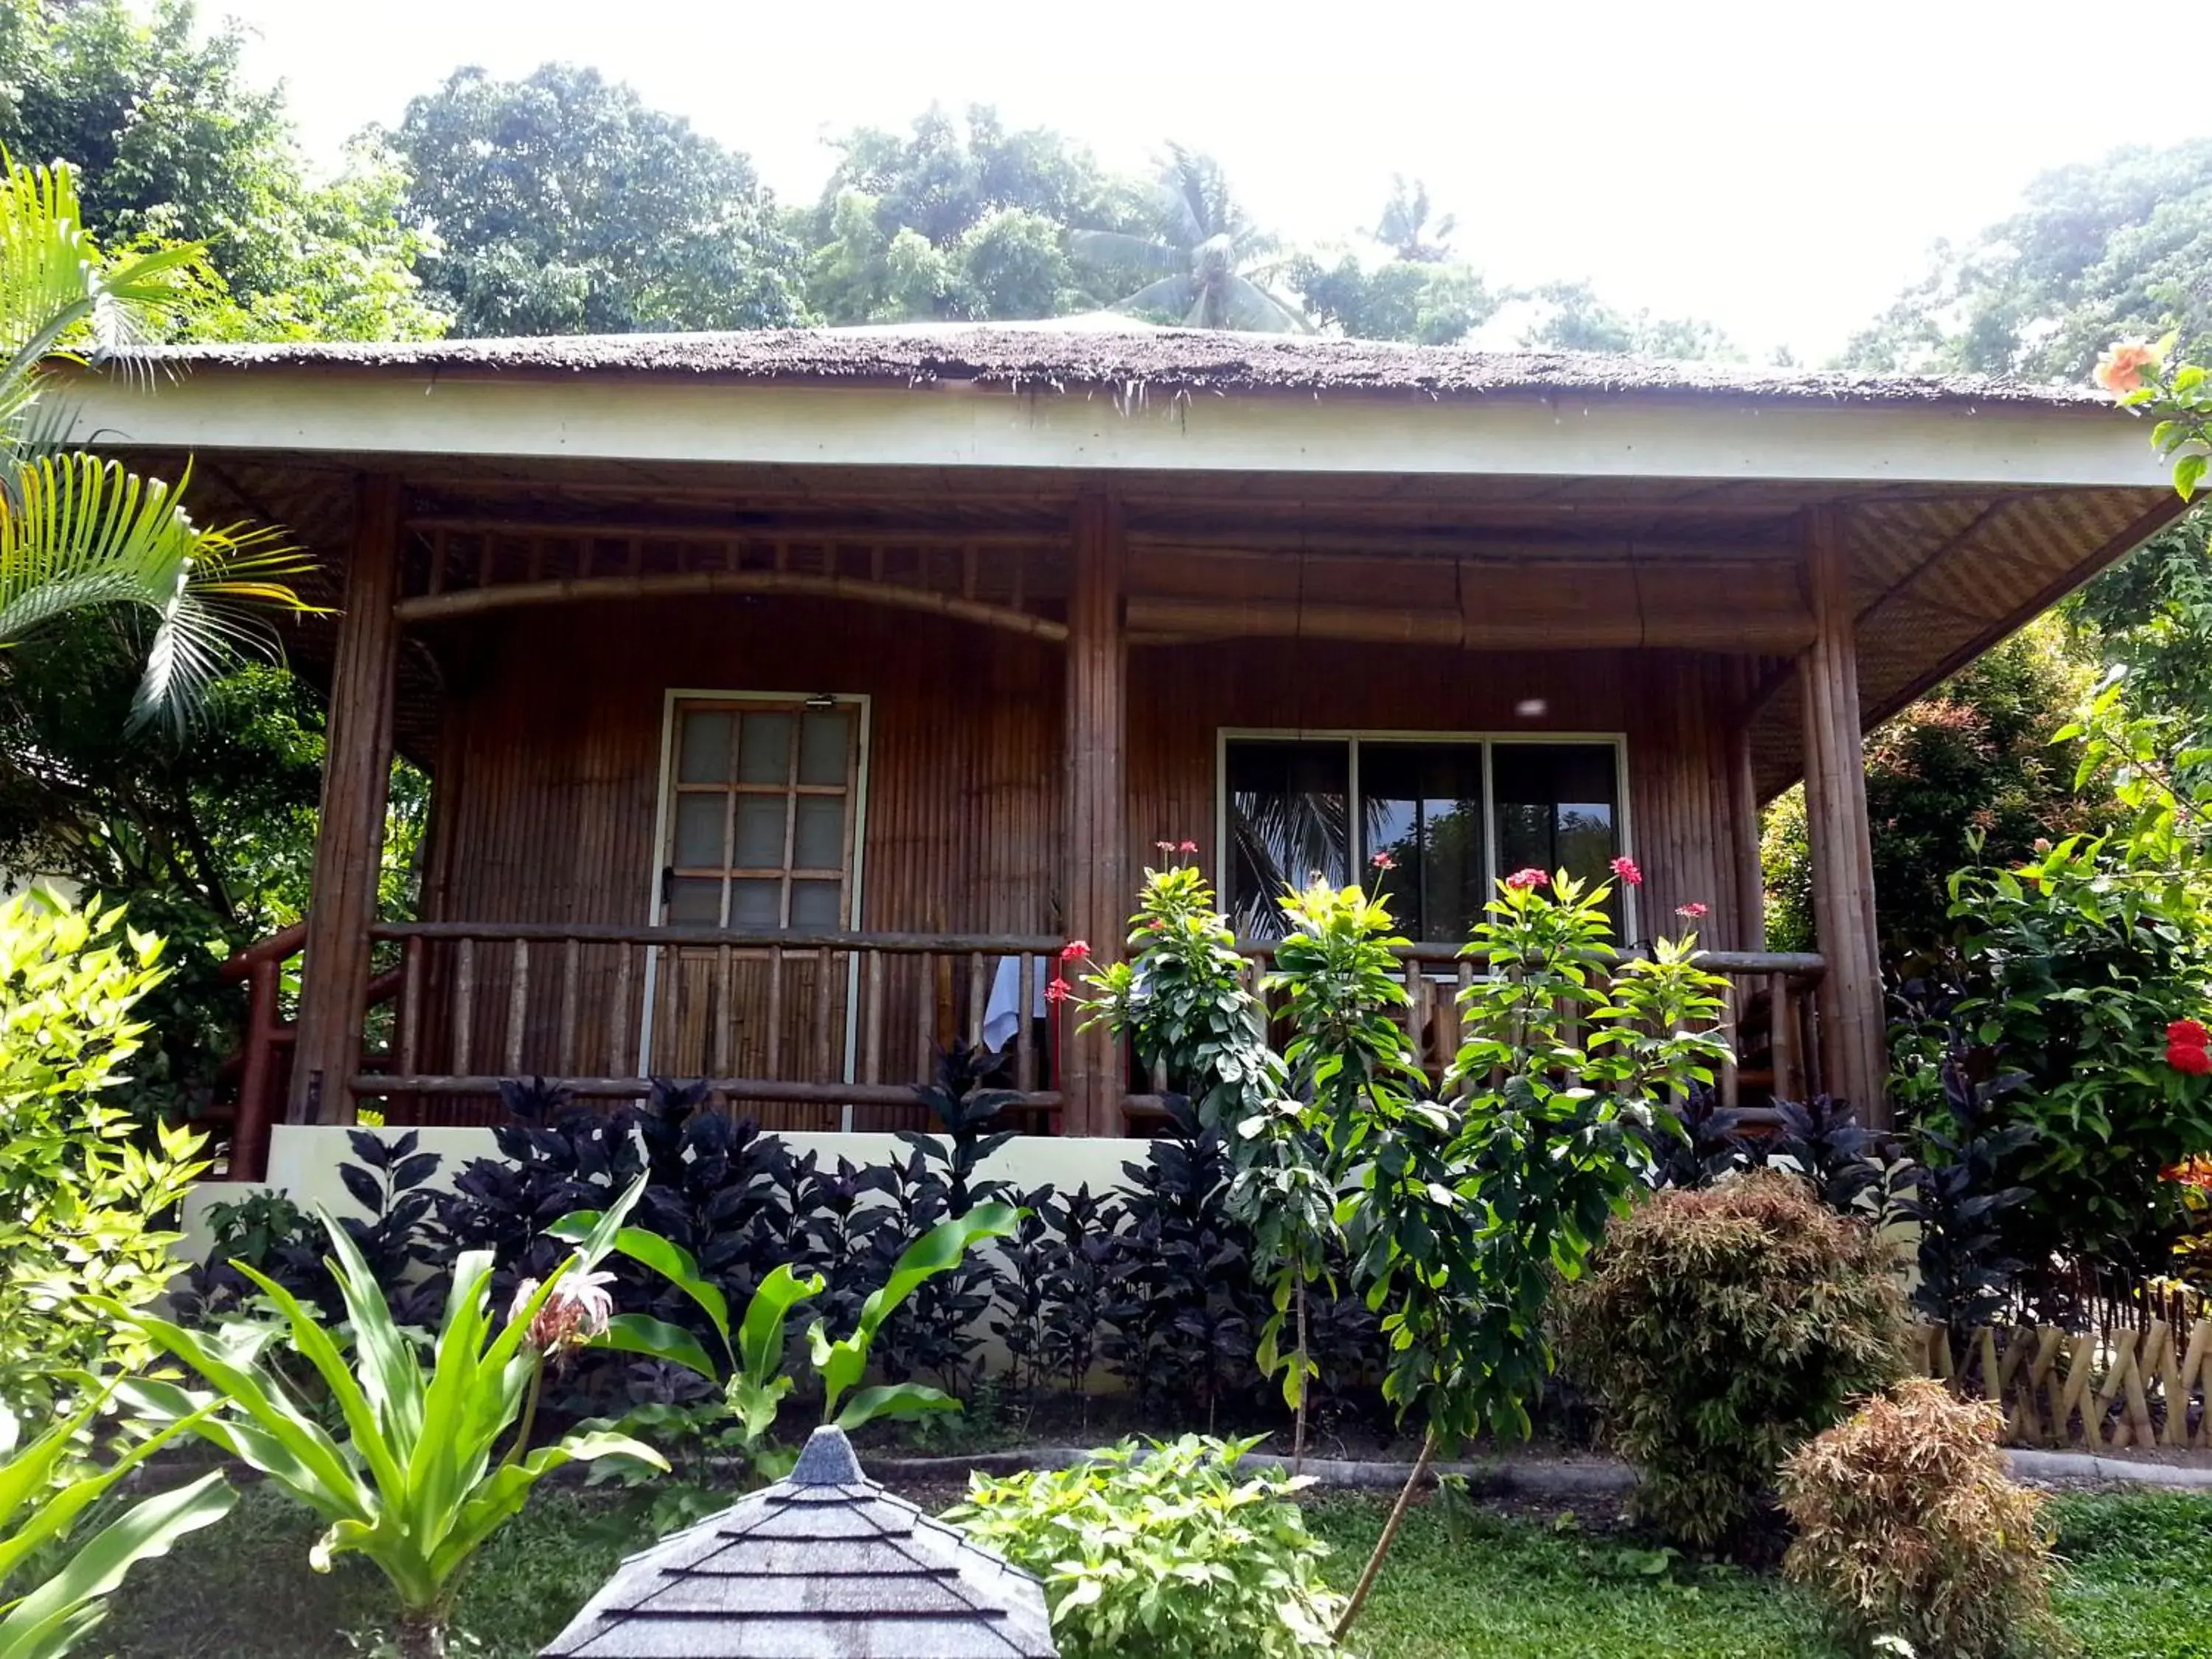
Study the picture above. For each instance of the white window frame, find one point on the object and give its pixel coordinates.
(664, 806)
(1353, 737)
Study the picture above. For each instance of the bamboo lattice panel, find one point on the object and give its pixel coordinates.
(2144, 1388)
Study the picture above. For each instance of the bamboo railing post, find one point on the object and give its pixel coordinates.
(1024, 1038)
(872, 1048)
(411, 1005)
(1782, 1022)
(465, 997)
(1836, 822)
(571, 973)
(978, 995)
(518, 1004)
(349, 827)
(618, 1059)
(249, 1130)
(724, 1014)
(825, 994)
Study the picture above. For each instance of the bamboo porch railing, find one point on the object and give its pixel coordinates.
(2142, 1387)
(833, 1030)
(779, 1021)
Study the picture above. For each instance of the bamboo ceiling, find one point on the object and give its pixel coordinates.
(1936, 574)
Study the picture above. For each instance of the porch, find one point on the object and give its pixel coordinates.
(790, 702)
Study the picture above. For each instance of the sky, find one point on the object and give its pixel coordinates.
(1781, 170)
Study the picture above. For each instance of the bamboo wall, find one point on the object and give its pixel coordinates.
(550, 750)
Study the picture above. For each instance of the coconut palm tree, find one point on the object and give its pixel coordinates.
(78, 531)
(1405, 225)
(1213, 264)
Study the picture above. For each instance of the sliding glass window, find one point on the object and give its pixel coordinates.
(1449, 815)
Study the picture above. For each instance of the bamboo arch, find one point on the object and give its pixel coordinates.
(678, 583)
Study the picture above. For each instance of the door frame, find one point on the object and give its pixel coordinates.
(664, 791)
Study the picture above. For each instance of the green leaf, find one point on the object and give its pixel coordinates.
(655, 1338)
(897, 1401)
(760, 1341)
(59, 1612)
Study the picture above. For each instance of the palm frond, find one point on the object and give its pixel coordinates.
(78, 531)
(1120, 248)
(1169, 293)
(1246, 304)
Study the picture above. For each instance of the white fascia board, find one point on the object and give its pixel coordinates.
(1582, 435)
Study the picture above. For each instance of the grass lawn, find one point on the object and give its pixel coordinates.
(2138, 1586)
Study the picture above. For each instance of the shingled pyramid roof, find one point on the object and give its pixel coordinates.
(826, 1565)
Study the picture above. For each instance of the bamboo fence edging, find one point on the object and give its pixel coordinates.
(2145, 1387)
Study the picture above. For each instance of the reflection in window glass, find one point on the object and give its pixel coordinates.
(1288, 822)
(1557, 809)
(1421, 805)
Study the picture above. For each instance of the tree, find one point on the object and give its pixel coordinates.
(1578, 320)
(176, 146)
(1405, 221)
(954, 221)
(1968, 774)
(560, 205)
(1209, 261)
(206, 833)
(2099, 250)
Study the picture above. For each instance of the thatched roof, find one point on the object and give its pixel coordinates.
(1125, 359)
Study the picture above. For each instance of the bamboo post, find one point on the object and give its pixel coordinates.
(1743, 816)
(349, 830)
(1781, 1024)
(465, 997)
(1025, 1066)
(249, 1130)
(571, 971)
(618, 1017)
(1855, 1057)
(518, 1004)
(1097, 850)
(873, 1067)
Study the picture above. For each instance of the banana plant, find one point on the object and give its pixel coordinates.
(420, 1481)
(750, 1371)
(39, 1509)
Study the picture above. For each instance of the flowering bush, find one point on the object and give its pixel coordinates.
(2087, 966)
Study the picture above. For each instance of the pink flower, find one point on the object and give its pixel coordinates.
(1383, 862)
(1057, 991)
(1075, 950)
(579, 1308)
(2120, 370)
(1625, 867)
(1693, 910)
(1524, 879)
(1165, 846)
(1186, 847)
(1156, 926)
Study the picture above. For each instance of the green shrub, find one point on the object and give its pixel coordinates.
(1170, 1549)
(1718, 1329)
(79, 1189)
(1907, 1526)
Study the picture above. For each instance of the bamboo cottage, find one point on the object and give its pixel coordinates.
(791, 699)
